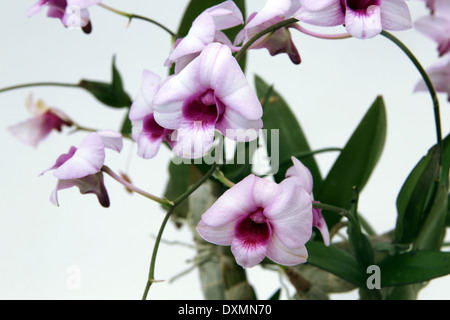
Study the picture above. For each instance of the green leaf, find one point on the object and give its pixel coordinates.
(276, 295)
(356, 161)
(336, 261)
(111, 94)
(414, 267)
(291, 139)
(432, 231)
(126, 125)
(414, 197)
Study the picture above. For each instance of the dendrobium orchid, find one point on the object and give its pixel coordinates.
(72, 13)
(145, 130)
(437, 25)
(81, 167)
(301, 175)
(44, 121)
(280, 41)
(211, 93)
(439, 75)
(363, 19)
(206, 28)
(260, 218)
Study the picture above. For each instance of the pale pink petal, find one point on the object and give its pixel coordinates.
(279, 253)
(221, 235)
(31, 131)
(363, 25)
(111, 139)
(272, 9)
(301, 173)
(226, 15)
(88, 159)
(316, 5)
(36, 8)
(434, 27)
(236, 203)
(290, 215)
(395, 15)
(265, 191)
(193, 140)
(320, 223)
(246, 255)
(328, 17)
(83, 3)
(148, 146)
(143, 103)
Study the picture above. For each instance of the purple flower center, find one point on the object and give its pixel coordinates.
(359, 5)
(152, 128)
(255, 229)
(53, 121)
(205, 108)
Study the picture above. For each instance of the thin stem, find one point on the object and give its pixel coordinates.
(219, 175)
(337, 36)
(128, 185)
(131, 16)
(39, 84)
(262, 33)
(429, 84)
(345, 213)
(151, 274)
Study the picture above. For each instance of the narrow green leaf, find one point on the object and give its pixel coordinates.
(291, 139)
(126, 125)
(432, 231)
(276, 295)
(335, 261)
(111, 94)
(414, 197)
(414, 267)
(356, 161)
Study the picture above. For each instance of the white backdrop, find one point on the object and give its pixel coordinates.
(111, 248)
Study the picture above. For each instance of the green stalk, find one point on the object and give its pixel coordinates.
(40, 84)
(151, 274)
(429, 84)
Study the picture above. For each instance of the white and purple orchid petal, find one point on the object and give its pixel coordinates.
(249, 244)
(194, 139)
(82, 4)
(438, 29)
(320, 223)
(265, 191)
(290, 215)
(273, 9)
(439, 75)
(61, 160)
(111, 139)
(235, 204)
(89, 184)
(149, 136)
(281, 42)
(315, 5)
(395, 15)
(57, 9)
(88, 159)
(222, 235)
(301, 173)
(143, 103)
(330, 16)
(279, 253)
(363, 23)
(74, 17)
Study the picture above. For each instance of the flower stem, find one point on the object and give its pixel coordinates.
(429, 84)
(131, 16)
(262, 33)
(40, 84)
(337, 36)
(151, 274)
(345, 213)
(128, 185)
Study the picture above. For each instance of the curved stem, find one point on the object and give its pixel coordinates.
(345, 213)
(337, 36)
(262, 33)
(429, 84)
(128, 185)
(131, 16)
(151, 274)
(39, 84)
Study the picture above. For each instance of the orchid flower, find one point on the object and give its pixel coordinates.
(145, 130)
(439, 75)
(72, 13)
(206, 28)
(44, 121)
(363, 19)
(302, 176)
(280, 41)
(437, 26)
(211, 93)
(260, 218)
(81, 167)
